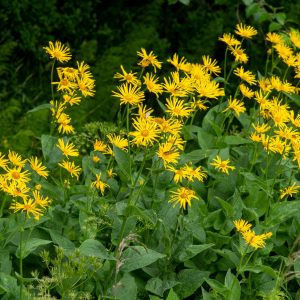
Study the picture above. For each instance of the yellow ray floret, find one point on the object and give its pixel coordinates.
(67, 149)
(58, 51)
(222, 165)
(184, 196)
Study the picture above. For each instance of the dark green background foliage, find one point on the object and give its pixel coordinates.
(105, 34)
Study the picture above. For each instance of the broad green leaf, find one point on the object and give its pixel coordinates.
(206, 141)
(172, 295)
(158, 286)
(78, 189)
(216, 127)
(10, 286)
(253, 269)
(82, 206)
(32, 244)
(154, 297)
(207, 296)
(187, 134)
(41, 107)
(129, 227)
(255, 179)
(252, 9)
(294, 97)
(185, 2)
(53, 192)
(218, 239)
(229, 255)
(227, 207)
(147, 215)
(274, 26)
(126, 291)
(263, 17)
(93, 247)
(123, 160)
(233, 284)
(280, 17)
(195, 156)
(219, 79)
(236, 140)
(190, 281)
(48, 142)
(139, 260)
(190, 252)
(219, 288)
(55, 156)
(247, 2)
(5, 262)
(22, 279)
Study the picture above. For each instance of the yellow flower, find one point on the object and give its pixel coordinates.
(283, 51)
(99, 184)
(211, 65)
(184, 196)
(265, 84)
(199, 74)
(185, 84)
(64, 126)
(287, 133)
(16, 159)
(277, 145)
(86, 86)
(152, 85)
(110, 173)
(143, 112)
(179, 174)
(236, 106)
(168, 154)
(118, 141)
(291, 61)
(289, 191)
(57, 111)
(99, 146)
(59, 52)
(141, 182)
(130, 77)
(209, 90)
(256, 241)
(151, 58)
(282, 86)
(177, 108)
(239, 54)
(16, 175)
(37, 167)
(176, 141)
(67, 149)
(95, 159)
(40, 200)
(172, 126)
(222, 165)
(295, 121)
(18, 190)
(242, 225)
(197, 173)
(262, 100)
(245, 31)
(199, 103)
(295, 38)
(129, 94)
(246, 91)
(229, 40)
(3, 161)
(71, 168)
(28, 206)
(255, 138)
(38, 186)
(279, 119)
(71, 100)
(261, 129)
(175, 62)
(247, 76)
(69, 73)
(274, 38)
(173, 88)
(82, 69)
(64, 84)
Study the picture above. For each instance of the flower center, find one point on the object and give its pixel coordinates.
(280, 147)
(184, 195)
(171, 141)
(69, 70)
(128, 97)
(180, 173)
(197, 76)
(244, 77)
(145, 133)
(128, 77)
(277, 119)
(82, 87)
(15, 175)
(27, 207)
(262, 101)
(57, 54)
(177, 110)
(64, 82)
(239, 52)
(150, 85)
(159, 121)
(222, 165)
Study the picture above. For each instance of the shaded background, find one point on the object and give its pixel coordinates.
(106, 34)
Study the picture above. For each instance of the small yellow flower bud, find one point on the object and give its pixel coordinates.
(190, 163)
(38, 186)
(141, 182)
(269, 51)
(95, 159)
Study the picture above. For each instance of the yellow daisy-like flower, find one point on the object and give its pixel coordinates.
(222, 165)
(255, 138)
(239, 54)
(67, 149)
(146, 133)
(100, 184)
(168, 154)
(176, 141)
(71, 100)
(197, 173)
(265, 141)
(179, 174)
(144, 112)
(172, 126)
(185, 83)
(149, 58)
(173, 88)
(283, 51)
(129, 77)
(278, 145)
(82, 69)
(287, 133)
(175, 62)
(58, 51)
(295, 121)
(209, 90)
(242, 225)
(95, 159)
(152, 85)
(291, 61)
(261, 128)
(99, 146)
(247, 76)
(129, 94)
(265, 84)
(274, 38)
(295, 38)
(16, 159)
(69, 73)
(118, 141)
(256, 241)
(18, 190)
(289, 190)
(177, 108)
(184, 196)
(279, 119)
(28, 206)
(246, 91)
(199, 73)
(236, 106)
(64, 126)
(71, 168)
(229, 40)
(57, 111)
(64, 84)
(200, 104)
(211, 65)
(16, 175)
(110, 174)
(38, 186)
(37, 167)
(3, 161)
(40, 200)
(262, 100)
(86, 86)
(245, 31)
(279, 86)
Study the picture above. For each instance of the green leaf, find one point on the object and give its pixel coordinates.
(274, 26)
(252, 9)
(259, 75)
(207, 296)
(127, 291)
(206, 141)
(172, 295)
(170, 2)
(236, 140)
(280, 17)
(129, 227)
(227, 207)
(162, 106)
(123, 160)
(21, 279)
(78, 189)
(32, 244)
(81, 205)
(253, 269)
(263, 17)
(9, 285)
(219, 79)
(41, 107)
(229, 255)
(53, 192)
(93, 247)
(233, 284)
(190, 252)
(218, 239)
(190, 281)
(216, 128)
(294, 97)
(255, 179)
(219, 288)
(247, 2)
(158, 287)
(48, 142)
(185, 2)
(137, 261)
(147, 215)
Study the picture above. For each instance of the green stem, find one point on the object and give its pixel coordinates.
(129, 143)
(229, 122)
(88, 193)
(156, 181)
(21, 257)
(266, 69)
(208, 199)
(52, 126)
(2, 205)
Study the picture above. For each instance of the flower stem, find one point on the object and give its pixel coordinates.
(21, 257)
(129, 143)
(52, 126)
